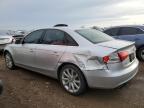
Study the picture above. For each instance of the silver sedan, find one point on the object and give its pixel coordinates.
(79, 58)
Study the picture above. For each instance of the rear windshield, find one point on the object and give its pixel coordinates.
(94, 36)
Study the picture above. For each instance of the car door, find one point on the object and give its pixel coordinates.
(113, 32)
(50, 51)
(24, 52)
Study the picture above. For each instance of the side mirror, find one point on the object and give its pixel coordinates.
(18, 41)
(22, 41)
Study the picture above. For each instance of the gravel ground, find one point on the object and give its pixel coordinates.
(26, 89)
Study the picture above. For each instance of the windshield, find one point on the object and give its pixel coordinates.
(94, 36)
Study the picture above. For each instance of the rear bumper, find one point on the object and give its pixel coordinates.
(110, 79)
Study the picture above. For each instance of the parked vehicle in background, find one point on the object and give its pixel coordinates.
(97, 28)
(78, 58)
(8, 39)
(131, 33)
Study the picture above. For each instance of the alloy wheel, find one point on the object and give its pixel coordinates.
(71, 80)
(9, 61)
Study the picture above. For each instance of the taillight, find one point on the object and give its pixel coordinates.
(106, 59)
(115, 57)
(123, 55)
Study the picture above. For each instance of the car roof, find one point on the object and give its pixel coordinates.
(65, 28)
(136, 26)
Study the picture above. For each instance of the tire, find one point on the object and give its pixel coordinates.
(72, 80)
(140, 54)
(9, 61)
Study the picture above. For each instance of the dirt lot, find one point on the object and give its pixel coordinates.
(26, 89)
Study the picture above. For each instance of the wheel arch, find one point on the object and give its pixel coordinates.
(138, 52)
(141, 46)
(9, 50)
(68, 63)
(5, 51)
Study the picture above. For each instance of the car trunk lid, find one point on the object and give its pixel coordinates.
(120, 46)
(116, 44)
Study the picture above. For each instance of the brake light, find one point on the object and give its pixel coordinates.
(123, 55)
(115, 57)
(106, 59)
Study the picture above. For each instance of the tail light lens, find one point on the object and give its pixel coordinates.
(115, 57)
(106, 59)
(123, 55)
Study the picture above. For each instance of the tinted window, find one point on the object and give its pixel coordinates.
(112, 31)
(58, 37)
(94, 36)
(129, 31)
(54, 37)
(33, 37)
(139, 31)
(70, 41)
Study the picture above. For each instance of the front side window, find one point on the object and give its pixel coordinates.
(112, 31)
(54, 37)
(33, 37)
(128, 31)
(94, 36)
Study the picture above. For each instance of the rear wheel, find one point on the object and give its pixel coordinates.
(72, 80)
(9, 61)
(140, 53)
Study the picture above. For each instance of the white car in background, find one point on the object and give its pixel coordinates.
(6, 39)
(79, 58)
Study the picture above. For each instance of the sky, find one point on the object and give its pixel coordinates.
(33, 14)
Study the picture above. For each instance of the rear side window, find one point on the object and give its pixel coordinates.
(58, 37)
(70, 41)
(112, 31)
(54, 37)
(130, 31)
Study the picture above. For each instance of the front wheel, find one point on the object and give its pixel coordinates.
(72, 80)
(9, 61)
